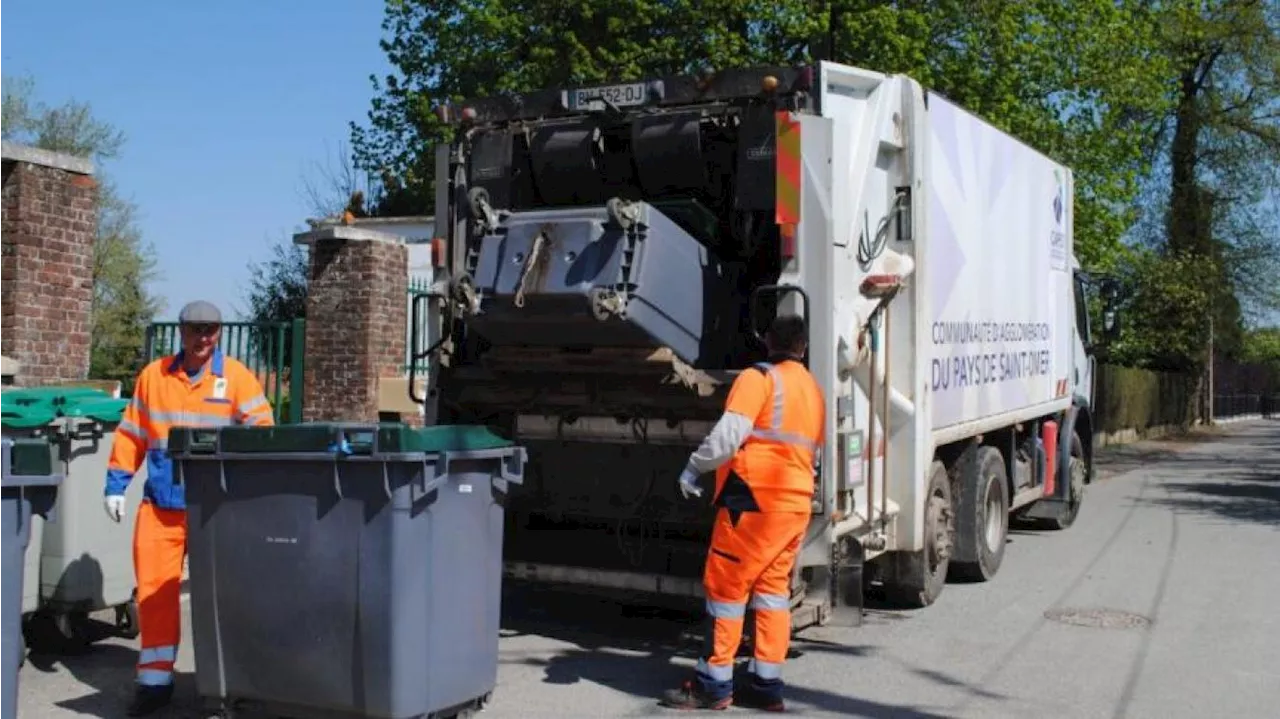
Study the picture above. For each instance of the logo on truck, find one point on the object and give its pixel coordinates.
(1057, 236)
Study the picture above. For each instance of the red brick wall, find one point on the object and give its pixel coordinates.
(49, 225)
(356, 318)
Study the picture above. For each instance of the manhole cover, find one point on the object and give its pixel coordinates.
(1099, 618)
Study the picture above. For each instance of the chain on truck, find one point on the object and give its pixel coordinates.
(612, 254)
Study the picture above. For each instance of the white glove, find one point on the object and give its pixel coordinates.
(114, 505)
(689, 484)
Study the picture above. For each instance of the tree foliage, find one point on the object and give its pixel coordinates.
(1166, 111)
(123, 263)
(1213, 195)
(1079, 83)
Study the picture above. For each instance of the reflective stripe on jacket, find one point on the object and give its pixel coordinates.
(776, 461)
(164, 397)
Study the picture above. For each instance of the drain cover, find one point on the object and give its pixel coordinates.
(1099, 618)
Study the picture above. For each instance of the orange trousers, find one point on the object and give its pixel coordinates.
(750, 559)
(159, 546)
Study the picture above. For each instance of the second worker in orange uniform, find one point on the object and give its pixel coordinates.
(762, 451)
(197, 387)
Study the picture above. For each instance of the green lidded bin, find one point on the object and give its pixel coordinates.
(81, 562)
(30, 486)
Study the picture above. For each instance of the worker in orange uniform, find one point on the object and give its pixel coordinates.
(762, 450)
(197, 387)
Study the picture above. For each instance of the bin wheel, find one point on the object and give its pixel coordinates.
(127, 619)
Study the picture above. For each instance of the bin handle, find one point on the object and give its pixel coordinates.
(510, 466)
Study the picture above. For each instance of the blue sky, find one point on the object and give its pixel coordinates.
(225, 106)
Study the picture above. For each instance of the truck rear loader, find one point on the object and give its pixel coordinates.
(612, 255)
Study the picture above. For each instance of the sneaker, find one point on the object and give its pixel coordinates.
(149, 699)
(691, 696)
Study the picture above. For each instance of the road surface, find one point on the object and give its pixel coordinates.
(1160, 602)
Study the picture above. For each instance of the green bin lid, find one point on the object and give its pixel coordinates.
(16, 416)
(51, 396)
(107, 411)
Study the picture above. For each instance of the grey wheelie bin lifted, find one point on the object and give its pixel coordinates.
(345, 571)
(30, 487)
(82, 563)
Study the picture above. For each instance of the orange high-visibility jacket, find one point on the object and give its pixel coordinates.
(776, 460)
(164, 397)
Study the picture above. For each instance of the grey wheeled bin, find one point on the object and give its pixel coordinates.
(25, 420)
(30, 487)
(345, 571)
(85, 560)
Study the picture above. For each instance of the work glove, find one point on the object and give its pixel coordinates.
(114, 505)
(689, 484)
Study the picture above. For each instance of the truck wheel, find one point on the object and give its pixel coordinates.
(982, 514)
(1076, 472)
(916, 579)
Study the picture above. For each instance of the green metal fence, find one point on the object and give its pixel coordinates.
(273, 351)
(426, 329)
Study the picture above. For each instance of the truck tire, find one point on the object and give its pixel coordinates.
(914, 580)
(981, 486)
(1077, 471)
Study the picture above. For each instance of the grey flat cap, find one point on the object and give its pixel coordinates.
(200, 312)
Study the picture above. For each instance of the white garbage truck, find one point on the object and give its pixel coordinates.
(611, 255)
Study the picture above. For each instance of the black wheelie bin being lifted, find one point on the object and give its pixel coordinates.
(30, 487)
(345, 571)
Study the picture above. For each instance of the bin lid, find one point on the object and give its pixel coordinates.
(107, 411)
(319, 437)
(51, 396)
(19, 416)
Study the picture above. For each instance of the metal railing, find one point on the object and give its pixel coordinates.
(273, 351)
(1232, 406)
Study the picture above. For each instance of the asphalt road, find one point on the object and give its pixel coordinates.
(1160, 602)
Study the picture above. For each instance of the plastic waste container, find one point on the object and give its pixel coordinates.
(82, 563)
(30, 487)
(345, 571)
(26, 421)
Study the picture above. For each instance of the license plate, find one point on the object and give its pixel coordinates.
(628, 95)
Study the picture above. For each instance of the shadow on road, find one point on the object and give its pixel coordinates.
(1238, 482)
(632, 649)
(107, 668)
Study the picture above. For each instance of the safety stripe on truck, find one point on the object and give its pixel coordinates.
(1062, 389)
(787, 156)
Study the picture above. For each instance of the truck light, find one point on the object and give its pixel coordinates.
(468, 114)
(437, 252)
(769, 83)
(787, 240)
(875, 286)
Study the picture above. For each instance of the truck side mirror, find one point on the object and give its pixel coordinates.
(1110, 323)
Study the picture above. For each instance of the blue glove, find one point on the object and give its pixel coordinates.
(689, 483)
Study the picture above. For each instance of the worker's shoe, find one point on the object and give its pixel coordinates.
(149, 699)
(693, 696)
(752, 692)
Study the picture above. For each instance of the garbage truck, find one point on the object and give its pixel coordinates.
(611, 255)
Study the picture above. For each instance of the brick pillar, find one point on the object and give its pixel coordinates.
(49, 227)
(356, 321)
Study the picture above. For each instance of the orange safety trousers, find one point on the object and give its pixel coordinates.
(159, 547)
(751, 558)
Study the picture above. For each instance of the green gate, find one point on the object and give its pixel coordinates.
(271, 350)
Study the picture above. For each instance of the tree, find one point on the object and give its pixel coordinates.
(123, 264)
(1080, 82)
(1213, 190)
